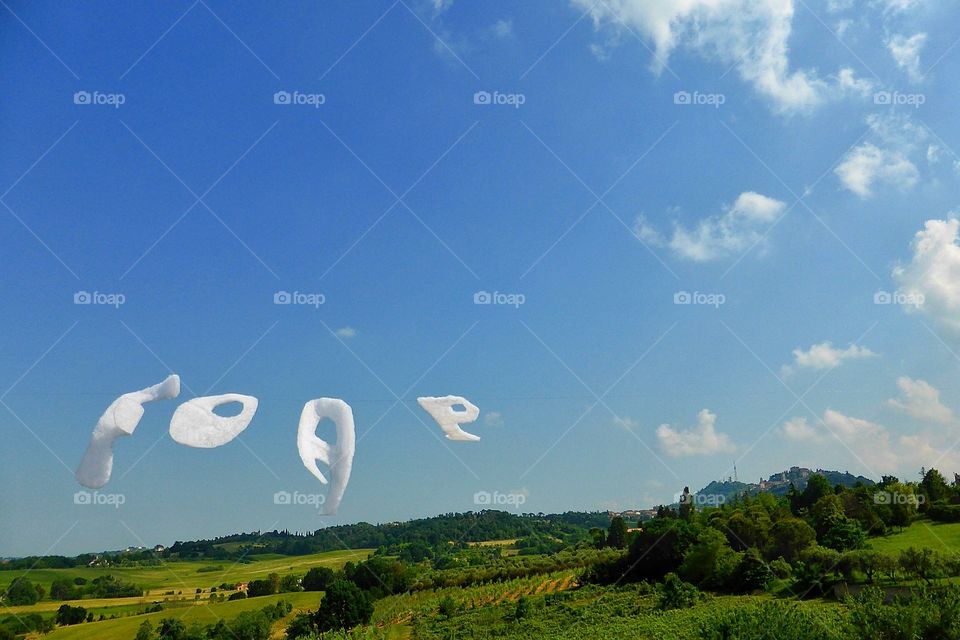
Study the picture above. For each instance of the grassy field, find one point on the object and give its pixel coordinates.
(923, 533)
(187, 576)
(202, 613)
(178, 576)
(559, 609)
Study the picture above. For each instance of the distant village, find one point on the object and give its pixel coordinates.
(720, 491)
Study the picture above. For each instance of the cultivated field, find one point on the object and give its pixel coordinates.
(182, 578)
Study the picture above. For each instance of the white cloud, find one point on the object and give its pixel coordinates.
(347, 332)
(646, 232)
(873, 445)
(826, 356)
(837, 6)
(718, 236)
(921, 401)
(896, 6)
(493, 419)
(701, 439)
(626, 423)
(842, 27)
(884, 158)
(867, 164)
(751, 36)
(933, 273)
(906, 53)
(503, 28)
(847, 80)
(800, 430)
(868, 440)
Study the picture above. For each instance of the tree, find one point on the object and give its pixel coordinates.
(934, 486)
(599, 537)
(814, 573)
(301, 625)
(701, 561)
(289, 583)
(415, 552)
(817, 487)
(63, 589)
(902, 501)
(752, 573)
(274, 580)
(686, 504)
(249, 625)
(659, 548)
(317, 579)
(921, 563)
(70, 615)
(789, 536)
(617, 534)
(380, 575)
(749, 525)
(886, 481)
(846, 535)
(343, 606)
(869, 562)
(171, 629)
(256, 588)
(145, 632)
(21, 592)
(827, 512)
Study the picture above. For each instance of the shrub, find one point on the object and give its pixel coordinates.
(771, 621)
(21, 592)
(674, 593)
(752, 574)
(70, 615)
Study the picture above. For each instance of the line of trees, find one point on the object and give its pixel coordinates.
(816, 537)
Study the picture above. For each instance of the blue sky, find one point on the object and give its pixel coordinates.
(781, 166)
